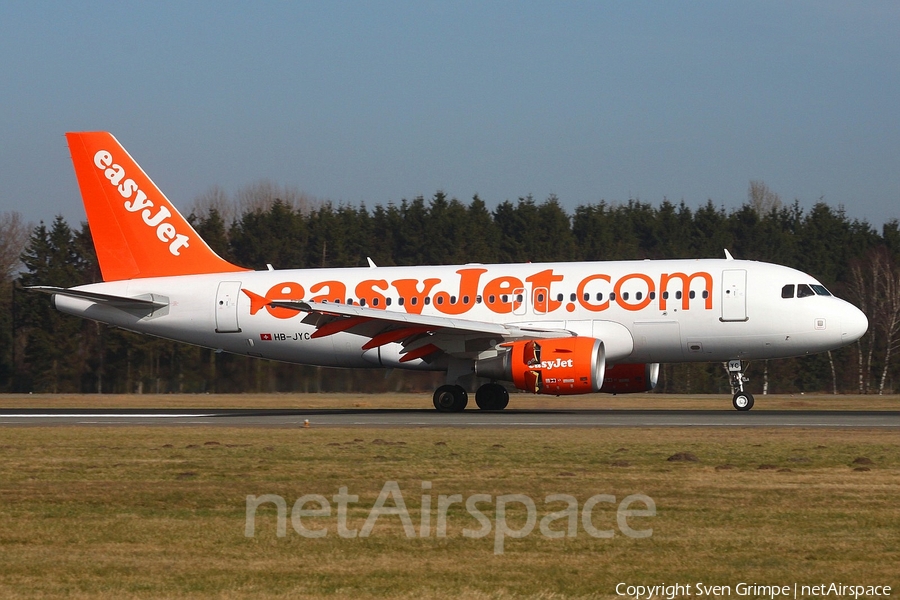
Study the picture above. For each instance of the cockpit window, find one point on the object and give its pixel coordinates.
(804, 291)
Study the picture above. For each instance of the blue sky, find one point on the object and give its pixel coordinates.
(375, 102)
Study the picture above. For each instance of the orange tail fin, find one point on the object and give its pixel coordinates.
(137, 232)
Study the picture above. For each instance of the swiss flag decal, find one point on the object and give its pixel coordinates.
(266, 337)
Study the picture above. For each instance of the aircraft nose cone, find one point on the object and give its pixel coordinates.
(854, 324)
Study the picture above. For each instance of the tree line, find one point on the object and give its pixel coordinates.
(42, 350)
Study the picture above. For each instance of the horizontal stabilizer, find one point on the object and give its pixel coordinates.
(152, 303)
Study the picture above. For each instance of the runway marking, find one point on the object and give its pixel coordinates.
(101, 416)
(419, 418)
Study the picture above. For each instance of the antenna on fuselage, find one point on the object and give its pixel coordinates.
(728, 255)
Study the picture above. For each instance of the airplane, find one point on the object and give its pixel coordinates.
(547, 328)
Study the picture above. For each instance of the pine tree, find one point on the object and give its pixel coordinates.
(54, 353)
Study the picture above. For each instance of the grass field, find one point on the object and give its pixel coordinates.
(131, 512)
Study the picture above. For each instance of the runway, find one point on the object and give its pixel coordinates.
(431, 418)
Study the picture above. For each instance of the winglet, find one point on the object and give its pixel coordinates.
(137, 232)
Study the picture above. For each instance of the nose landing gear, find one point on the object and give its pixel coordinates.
(741, 400)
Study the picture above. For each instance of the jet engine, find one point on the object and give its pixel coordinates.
(630, 378)
(573, 365)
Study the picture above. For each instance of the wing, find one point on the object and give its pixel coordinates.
(422, 336)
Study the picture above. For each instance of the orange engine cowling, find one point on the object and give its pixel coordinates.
(631, 378)
(573, 365)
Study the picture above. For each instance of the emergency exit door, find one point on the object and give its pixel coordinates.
(227, 307)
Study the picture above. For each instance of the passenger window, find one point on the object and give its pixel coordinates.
(624, 295)
(440, 299)
(559, 297)
(612, 296)
(387, 301)
(665, 295)
(599, 296)
(478, 299)
(414, 300)
(452, 299)
(362, 301)
(639, 295)
(787, 291)
(572, 297)
(678, 295)
(692, 295)
(540, 298)
(504, 298)
(653, 295)
(804, 291)
(374, 301)
(400, 300)
(465, 299)
(587, 297)
(705, 294)
(427, 300)
(491, 299)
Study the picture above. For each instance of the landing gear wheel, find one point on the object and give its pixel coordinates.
(742, 401)
(450, 398)
(491, 396)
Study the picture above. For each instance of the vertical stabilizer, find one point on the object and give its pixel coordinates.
(137, 232)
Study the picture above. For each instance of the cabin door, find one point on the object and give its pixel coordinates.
(734, 295)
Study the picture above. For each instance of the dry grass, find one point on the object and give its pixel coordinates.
(412, 401)
(160, 512)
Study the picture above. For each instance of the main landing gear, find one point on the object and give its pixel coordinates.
(453, 398)
(742, 400)
(450, 398)
(492, 396)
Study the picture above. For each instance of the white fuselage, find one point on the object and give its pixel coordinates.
(644, 311)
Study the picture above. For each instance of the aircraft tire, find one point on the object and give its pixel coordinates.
(450, 398)
(492, 396)
(742, 401)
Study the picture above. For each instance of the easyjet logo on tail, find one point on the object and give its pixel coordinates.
(136, 200)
